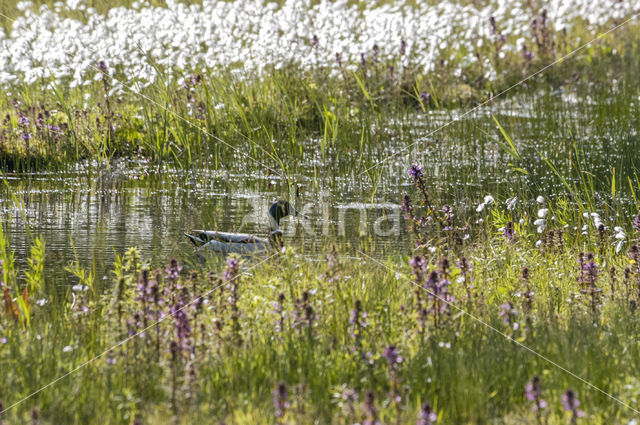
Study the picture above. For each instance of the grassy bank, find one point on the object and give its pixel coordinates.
(453, 325)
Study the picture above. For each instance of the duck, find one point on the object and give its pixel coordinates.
(244, 243)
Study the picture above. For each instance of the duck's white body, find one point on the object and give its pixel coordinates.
(228, 243)
(243, 243)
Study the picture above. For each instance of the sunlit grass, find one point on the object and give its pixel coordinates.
(323, 325)
(290, 319)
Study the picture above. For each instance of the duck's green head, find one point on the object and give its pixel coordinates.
(279, 210)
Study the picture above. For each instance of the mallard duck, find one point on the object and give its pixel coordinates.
(244, 243)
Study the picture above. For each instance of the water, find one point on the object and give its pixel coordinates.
(93, 215)
(93, 212)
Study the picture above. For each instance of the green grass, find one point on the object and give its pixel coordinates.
(570, 134)
(466, 365)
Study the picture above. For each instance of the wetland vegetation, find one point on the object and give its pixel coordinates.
(469, 250)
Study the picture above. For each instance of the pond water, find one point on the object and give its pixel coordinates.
(93, 211)
(94, 214)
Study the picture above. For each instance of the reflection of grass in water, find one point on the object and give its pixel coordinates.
(248, 337)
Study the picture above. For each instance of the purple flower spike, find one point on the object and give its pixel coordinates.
(508, 231)
(281, 399)
(23, 121)
(426, 416)
(392, 355)
(415, 171)
(173, 269)
(571, 403)
(233, 267)
(533, 392)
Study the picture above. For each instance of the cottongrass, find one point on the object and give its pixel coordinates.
(254, 37)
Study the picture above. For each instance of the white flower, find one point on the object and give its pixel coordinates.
(540, 223)
(511, 203)
(542, 212)
(67, 349)
(24, 5)
(79, 287)
(488, 200)
(540, 199)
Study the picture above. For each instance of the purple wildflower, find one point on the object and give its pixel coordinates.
(419, 265)
(447, 218)
(233, 267)
(415, 171)
(181, 324)
(102, 66)
(493, 26)
(173, 269)
(392, 355)
(407, 206)
(370, 410)
(636, 222)
(571, 403)
(426, 415)
(508, 231)
(508, 314)
(432, 281)
(533, 392)
(281, 399)
(588, 275)
(529, 293)
(376, 52)
(304, 315)
(350, 398)
(363, 60)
